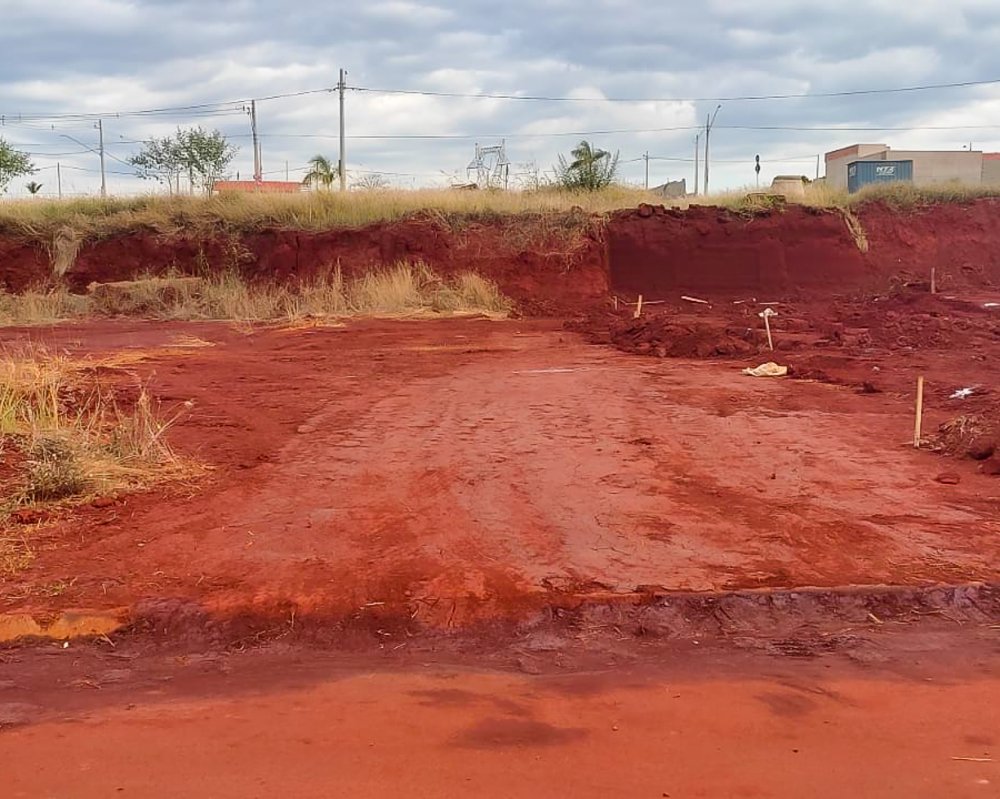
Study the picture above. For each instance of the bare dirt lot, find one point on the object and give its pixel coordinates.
(437, 474)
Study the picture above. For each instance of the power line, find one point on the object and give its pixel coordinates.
(738, 98)
(669, 129)
(781, 160)
(235, 106)
(610, 132)
(219, 107)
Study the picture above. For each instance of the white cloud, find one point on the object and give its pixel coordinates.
(104, 55)
(412, 13)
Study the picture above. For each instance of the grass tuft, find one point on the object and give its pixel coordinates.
(74, 436)
(35, 307)
(53, 470)
(396, 290)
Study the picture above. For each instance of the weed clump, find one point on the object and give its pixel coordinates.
(54, 471)
(70, 435)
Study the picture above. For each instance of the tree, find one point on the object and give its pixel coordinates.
(13, 164)
(591, 169)
(160, 160)
(371, 182)
(200, 155)
(33, 187)
(322, 172)
(205, 155)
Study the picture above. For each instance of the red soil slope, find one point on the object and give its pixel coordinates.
(565, 263)
(547, 264)
(800, 251)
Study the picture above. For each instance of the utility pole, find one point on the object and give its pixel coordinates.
(342, 164)
(697, 137)
(709, 121)
(59, 178)
(817, 166)
(286, 170)
(256, 141)
(645, 158)
(100, 150)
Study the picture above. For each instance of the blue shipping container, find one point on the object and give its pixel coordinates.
(865, 173)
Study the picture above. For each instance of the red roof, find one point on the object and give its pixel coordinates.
(991, 156)
(266, 186)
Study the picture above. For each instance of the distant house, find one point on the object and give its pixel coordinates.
(675, 188)
(258, 186)
(927, 167)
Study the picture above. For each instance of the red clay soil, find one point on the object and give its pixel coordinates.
(801, 252)
(875, 343)
(442, 474)
(710, 250)
(899, 715)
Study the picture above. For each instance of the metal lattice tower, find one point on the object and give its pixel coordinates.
(490, 168)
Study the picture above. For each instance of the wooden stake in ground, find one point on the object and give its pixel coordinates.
(918, 422)
(615, 298)
(933, 280)
(638, 308)
(766, 315)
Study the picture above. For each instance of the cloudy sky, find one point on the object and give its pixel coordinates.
(675, 59)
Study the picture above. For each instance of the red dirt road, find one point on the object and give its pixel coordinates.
(911, 716)
(451, 472)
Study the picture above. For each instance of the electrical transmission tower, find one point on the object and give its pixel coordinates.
(490, 169)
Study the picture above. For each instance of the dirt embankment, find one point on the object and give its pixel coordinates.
(546, 263)
(568, 262)
(798, 251)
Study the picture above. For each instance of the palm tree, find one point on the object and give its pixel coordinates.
(323, 172)
(591, 169)
(33, 187)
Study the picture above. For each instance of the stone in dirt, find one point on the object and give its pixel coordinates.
(991, 466)
(981, 448)
(29, 516)
(948, 478)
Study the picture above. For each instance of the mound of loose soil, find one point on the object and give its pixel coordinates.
(910, 319)
(665, 336)
(973, 434)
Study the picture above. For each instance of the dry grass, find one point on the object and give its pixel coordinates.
(906, 195)
(40, 307)
(856, 229)
(74, 436)
(69, 221)
(30, 385)
(16, 553)
(401, 289)
(63, 224)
